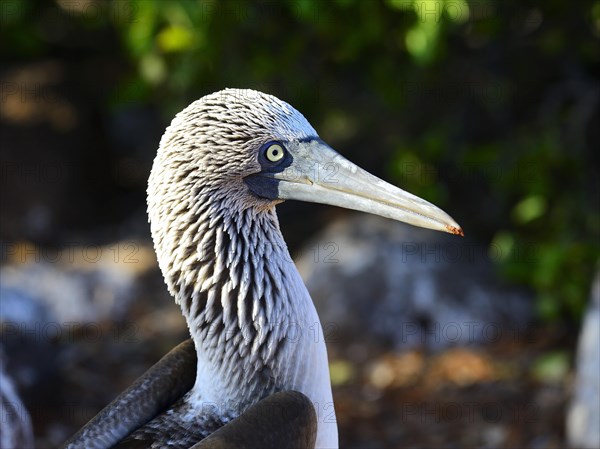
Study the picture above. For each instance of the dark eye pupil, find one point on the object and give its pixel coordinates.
(274, 153)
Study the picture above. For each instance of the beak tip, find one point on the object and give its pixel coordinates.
(455, 230)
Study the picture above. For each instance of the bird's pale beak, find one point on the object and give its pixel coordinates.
(321, 175)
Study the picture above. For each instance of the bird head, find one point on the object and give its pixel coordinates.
(245, 149)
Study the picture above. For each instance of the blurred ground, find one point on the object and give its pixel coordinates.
(512, 393)
(458, 398)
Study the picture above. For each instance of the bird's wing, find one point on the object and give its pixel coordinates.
(285, 420)
(162, 385)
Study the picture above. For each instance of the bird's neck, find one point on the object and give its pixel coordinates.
(253, 323)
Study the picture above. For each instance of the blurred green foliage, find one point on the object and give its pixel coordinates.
(487, 107)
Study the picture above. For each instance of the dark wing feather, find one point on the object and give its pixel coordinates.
(285, 420)
(159, 387)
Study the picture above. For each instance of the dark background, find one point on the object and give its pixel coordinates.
(489, 109)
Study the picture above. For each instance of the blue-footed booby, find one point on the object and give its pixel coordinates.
(223, 165)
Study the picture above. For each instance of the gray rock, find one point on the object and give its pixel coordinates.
(583, 419)
(71, 287)
(376, 278)
(15, 424)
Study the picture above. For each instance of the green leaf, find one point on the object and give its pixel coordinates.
(340, 372)
(175, 38)
(551, 368)
(529, 209)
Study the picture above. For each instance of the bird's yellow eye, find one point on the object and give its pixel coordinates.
(274, 152)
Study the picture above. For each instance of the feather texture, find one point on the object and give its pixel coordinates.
(225, 261)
